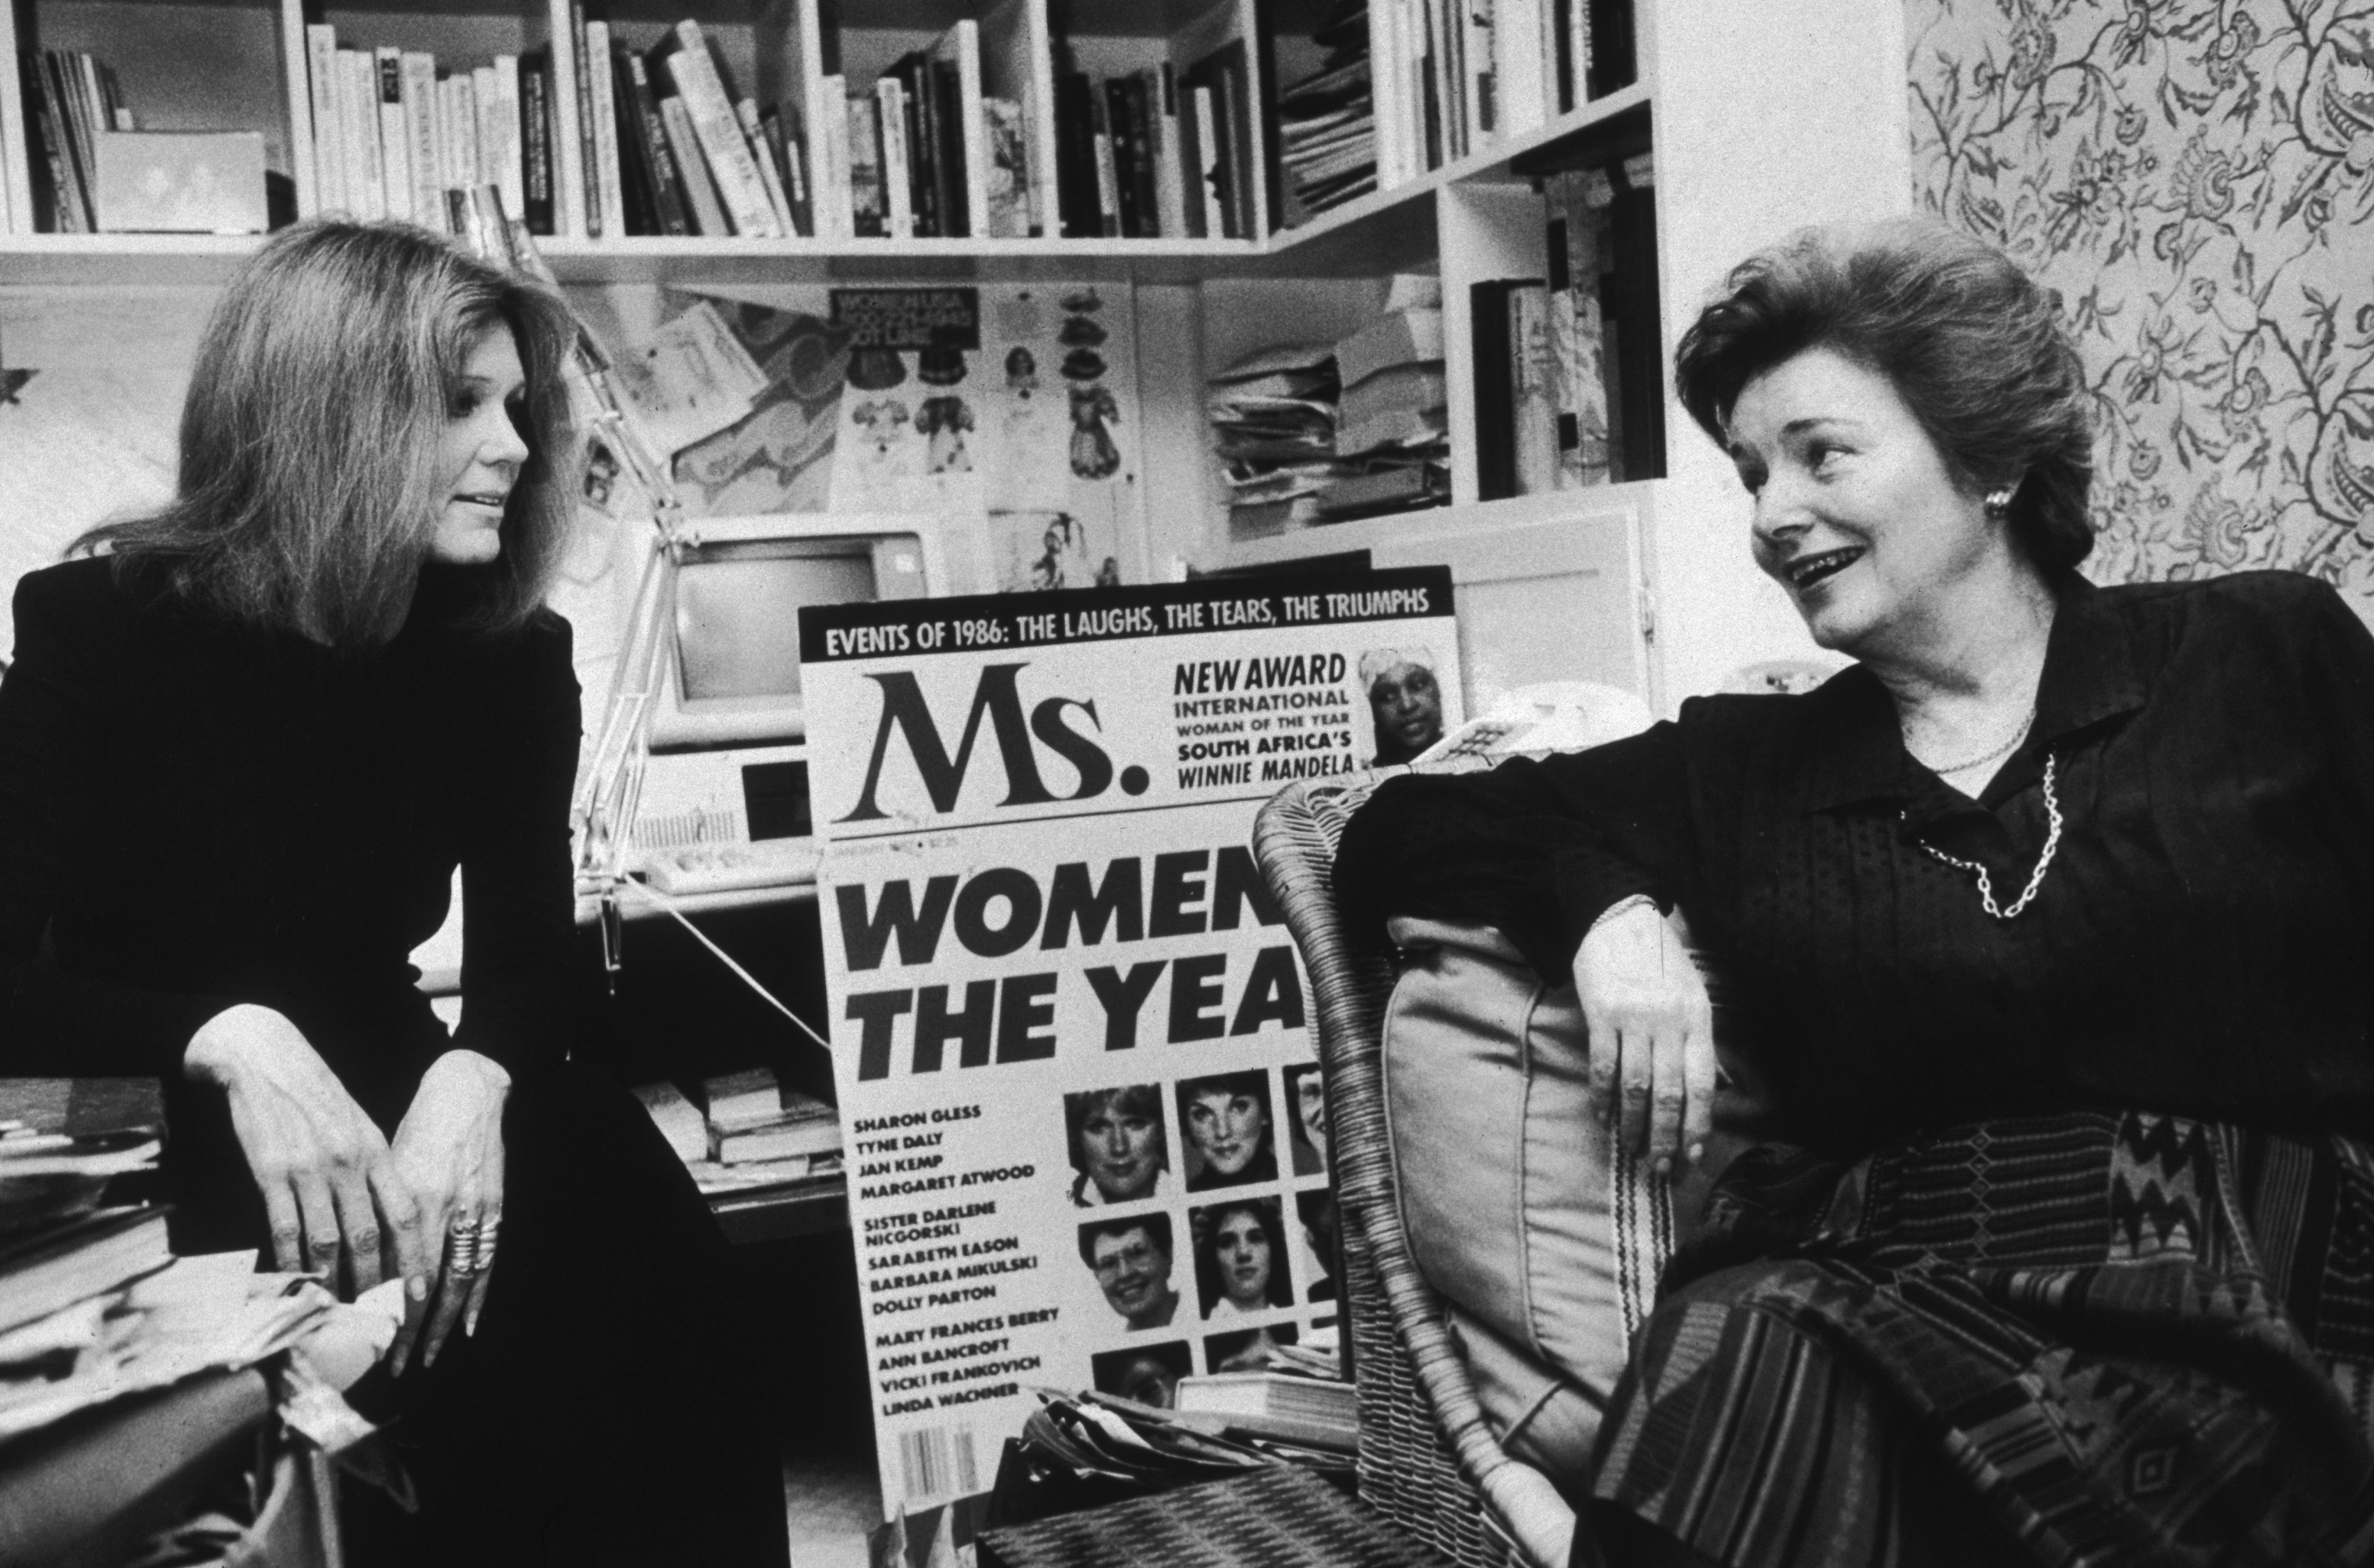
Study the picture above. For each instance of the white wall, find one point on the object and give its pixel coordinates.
(1770, 115)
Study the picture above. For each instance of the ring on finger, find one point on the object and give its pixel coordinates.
(463, 1245)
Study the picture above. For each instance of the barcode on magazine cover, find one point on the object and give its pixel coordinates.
(938, 1462)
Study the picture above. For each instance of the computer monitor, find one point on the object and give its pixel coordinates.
(732, 636)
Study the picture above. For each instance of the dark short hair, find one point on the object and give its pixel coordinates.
(1155, 1226)
(1973, 345)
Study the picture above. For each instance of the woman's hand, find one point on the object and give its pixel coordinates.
(330, 1187)
(449, 1149)
(1652, 1061)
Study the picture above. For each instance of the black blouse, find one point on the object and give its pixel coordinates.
(2202, 943)
(197, 813)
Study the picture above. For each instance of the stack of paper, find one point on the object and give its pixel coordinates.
(1273, 417)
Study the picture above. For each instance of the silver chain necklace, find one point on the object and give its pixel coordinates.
(2035, 878)
(1964, 767)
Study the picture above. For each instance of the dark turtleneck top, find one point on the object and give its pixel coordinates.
(195, 813)
(2202, 942)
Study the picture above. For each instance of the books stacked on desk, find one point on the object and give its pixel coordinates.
(1290, 1406)
(93, 1305)
(754, 1134)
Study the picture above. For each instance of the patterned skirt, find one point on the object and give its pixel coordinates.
(2071, 1339)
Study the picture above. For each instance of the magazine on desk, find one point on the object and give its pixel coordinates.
(1071, 1034)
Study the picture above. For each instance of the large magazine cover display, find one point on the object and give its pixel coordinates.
(1084, 1126)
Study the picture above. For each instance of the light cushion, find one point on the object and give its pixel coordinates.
(1514, 1210)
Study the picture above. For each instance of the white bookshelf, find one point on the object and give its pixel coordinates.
(1762, 118)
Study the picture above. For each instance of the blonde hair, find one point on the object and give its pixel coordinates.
(310, 435)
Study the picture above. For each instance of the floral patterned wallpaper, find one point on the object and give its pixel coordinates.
(2196, 178)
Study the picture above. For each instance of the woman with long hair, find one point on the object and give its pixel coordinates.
(244, 743)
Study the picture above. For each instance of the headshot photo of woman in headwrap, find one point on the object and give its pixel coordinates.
(1241, 1258)
(1404, 702)
(1117, 1146)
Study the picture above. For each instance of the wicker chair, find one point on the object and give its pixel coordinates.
(1427, 1459)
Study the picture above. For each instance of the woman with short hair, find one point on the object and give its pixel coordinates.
(1119, 1150)
(2043, 932)
(243, 747)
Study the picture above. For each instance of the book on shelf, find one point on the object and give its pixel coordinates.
(540, 206)
(423, 142)
(1077, 199)
(596, 66)
(706, 206)
(829, 145)
(754, 135)
(1170, 175)
(684, 55)
(788, 145)
(1229, 147)
(1101, 142)
(321, 99)
(866, 196)
(654, 159)
(1532, 388)
(395, 140)
(897, 158)
(1008, 188)
(1491, 355)
(963, 147)
(501, 133)
(1576, 245)
(584, 179)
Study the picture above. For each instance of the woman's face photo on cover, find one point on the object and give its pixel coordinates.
(1241, 1245)
(1133, 1267)
(1122, 1146)
(1310, 1104)
(1858, 517)
(1405, 704)
(1228, 1128)
(479, 453)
